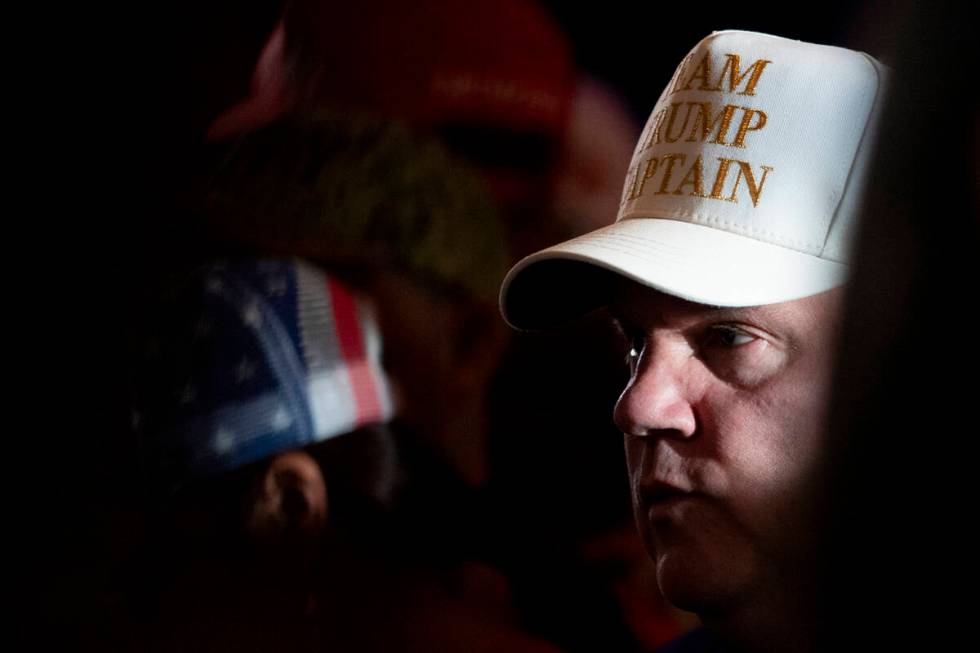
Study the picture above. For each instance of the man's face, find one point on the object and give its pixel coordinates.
(723, 424)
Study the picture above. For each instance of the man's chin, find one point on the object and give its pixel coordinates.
(703, 585)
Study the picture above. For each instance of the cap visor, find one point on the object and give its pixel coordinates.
(697, 263)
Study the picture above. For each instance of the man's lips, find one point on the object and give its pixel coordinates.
(660, 492)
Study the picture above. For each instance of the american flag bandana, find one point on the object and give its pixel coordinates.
(257, 358)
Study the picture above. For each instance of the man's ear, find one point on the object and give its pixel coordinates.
(289, 500)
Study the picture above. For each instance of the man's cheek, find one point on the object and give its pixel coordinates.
(639, 463)
(635, 449)
(772, 444)
(774, 503)
(644, 528)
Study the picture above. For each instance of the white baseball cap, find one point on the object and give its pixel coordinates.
(744, 188)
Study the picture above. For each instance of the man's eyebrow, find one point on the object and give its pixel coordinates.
(730, 313)
(761, 316)
(764, 314)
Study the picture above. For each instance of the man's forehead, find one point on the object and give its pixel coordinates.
(637, 304)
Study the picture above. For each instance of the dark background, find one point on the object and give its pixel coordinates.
(114, 102)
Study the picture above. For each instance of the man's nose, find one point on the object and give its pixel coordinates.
(656, 401)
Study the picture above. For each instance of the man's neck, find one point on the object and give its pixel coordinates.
(777, 622)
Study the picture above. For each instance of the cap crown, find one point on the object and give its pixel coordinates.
(760, 136)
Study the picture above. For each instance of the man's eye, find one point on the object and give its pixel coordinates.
(740, 356)
(728, 337)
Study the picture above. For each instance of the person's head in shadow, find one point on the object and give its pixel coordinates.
(405, 222)
(260, 406)
(492, 80)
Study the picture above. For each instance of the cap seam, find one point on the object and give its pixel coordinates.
(869, 121)
(772, 238)
(651, 256)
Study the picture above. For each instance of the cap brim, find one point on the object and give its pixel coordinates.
(694, 262)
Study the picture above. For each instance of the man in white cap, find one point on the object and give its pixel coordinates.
(724, 269)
